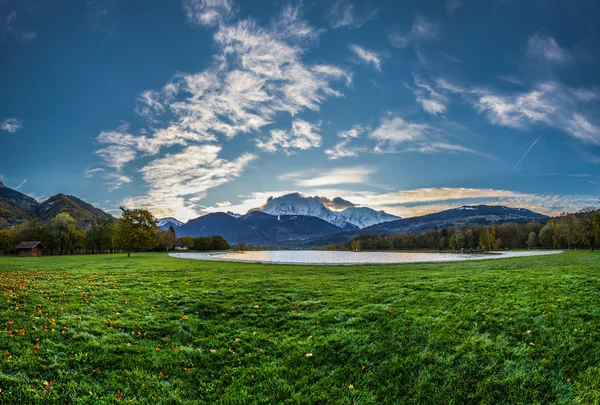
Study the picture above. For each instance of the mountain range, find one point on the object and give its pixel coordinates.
(296, 221)
(16, 207)
(289, 221)
(350, 218)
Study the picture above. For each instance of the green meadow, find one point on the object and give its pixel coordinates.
(151, 329)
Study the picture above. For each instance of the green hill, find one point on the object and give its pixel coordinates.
(16, 207)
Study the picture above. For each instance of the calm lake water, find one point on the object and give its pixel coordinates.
(328, 257)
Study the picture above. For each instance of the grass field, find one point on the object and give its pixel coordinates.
(157, 330)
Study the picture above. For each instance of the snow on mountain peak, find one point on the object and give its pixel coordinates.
(352, 217)
(167, 222)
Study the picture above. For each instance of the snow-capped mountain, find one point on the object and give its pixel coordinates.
(363, 217)
(165, 223)
(350, 218)
(233, 214)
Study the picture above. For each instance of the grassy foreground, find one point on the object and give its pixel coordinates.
(152, 329)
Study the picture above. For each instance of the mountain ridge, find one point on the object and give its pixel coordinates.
(16, 207)
(350, 218)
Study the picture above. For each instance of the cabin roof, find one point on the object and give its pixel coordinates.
(30, 245)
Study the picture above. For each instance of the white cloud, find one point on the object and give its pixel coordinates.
(432, 101)
(367, 56)
(395, 130)
(178, 180)
(223, 204)
(549, 103)
(342, 14)
(11, 125)
(303, 135)
(116, 155)
(395, 134)
(208, 12)
(344, 175)
(440, 147)
(113, 179)
(343, 149)
(546, 49)
(258, 73)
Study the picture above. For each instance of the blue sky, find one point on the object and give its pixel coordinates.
(408, 106)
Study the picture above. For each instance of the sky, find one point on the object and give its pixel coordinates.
(195, 106)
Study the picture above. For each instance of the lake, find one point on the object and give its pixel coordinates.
(314, 257)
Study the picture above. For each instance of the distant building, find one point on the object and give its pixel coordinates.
(30, 249)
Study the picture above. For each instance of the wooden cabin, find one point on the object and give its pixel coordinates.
(30, 249)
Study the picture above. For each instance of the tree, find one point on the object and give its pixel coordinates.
(100, 236)
(28, 231)
(355, 245)
(7, 241)
(460, 240)
(166, 240)
(62, 230)
(568, 226)
(470, 236)
(241, 247)
(484, 238)
(532, 240)
(548, 235)
(588, 226)
(187, 241)
(136, 230)
(453, 244)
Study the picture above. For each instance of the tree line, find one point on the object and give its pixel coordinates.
(136, 230)
(580, 230)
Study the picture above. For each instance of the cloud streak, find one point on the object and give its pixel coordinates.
(11, 125)
(337, 176)
(367, 56)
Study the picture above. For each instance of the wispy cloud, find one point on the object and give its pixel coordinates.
(395, 134)
(337, 176)
(342, 14)
(258, 74)
(176, 179)
(209, 12)
(550, 103)
(545, 48)
(367, 56)
(432, 101)
(303, 135)
(9, 28)
(114, 180)
(344, 149)
(11, 125)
